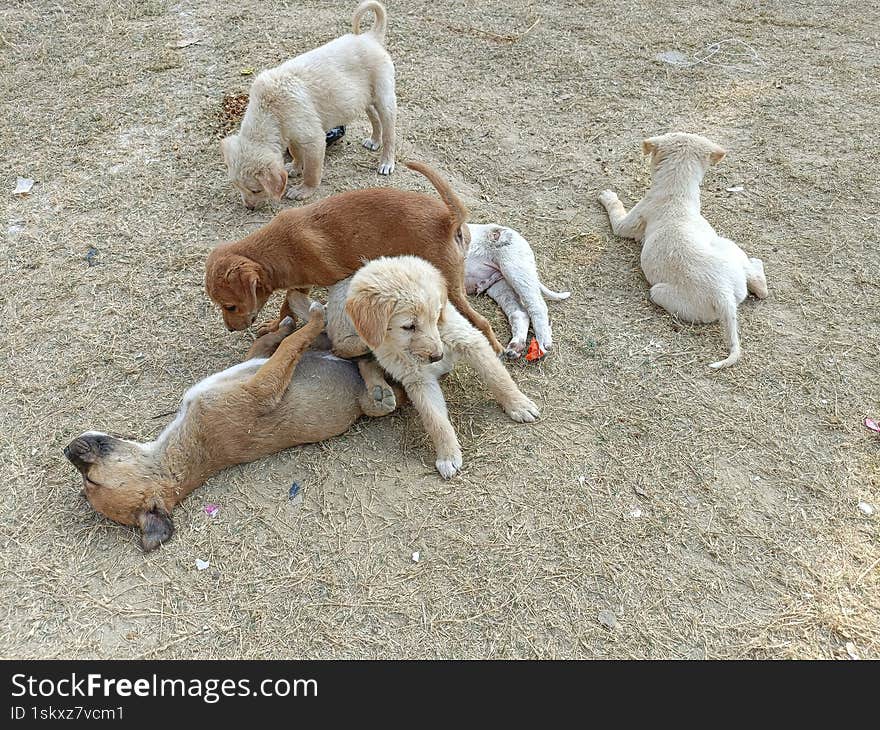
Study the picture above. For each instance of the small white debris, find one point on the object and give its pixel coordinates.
(676, 58)
(851, 650)
(202, 564)
(866, 508)
(735, 189)
(607, 619)
(23, 186)
(636, 512)
(416, 556)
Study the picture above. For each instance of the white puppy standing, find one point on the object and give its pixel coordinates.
(695, 274)
(292, 105)
(501, 263)
(397, 305)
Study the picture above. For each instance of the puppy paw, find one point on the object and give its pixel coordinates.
(379, 401)
(287, 326)
(316, 312)
(300, 192)
(269, 327)
(371, 145)
(515, 349)
(449, 465)
(607, 197)
(386, 168)
(523, 411)
(293, 169)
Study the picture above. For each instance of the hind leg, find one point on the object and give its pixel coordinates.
(506, 298)
(755, 279)
(385, 104)
(374, 141)
(671, 299)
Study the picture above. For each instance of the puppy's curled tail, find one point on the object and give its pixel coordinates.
(553, 296)
(726, 307)
(456, 207)
(379, 27)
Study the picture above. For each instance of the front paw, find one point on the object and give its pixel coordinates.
(300, 192)
(515, 349)
(523, 410)
(449, 465)
(371, 145)
(268, 327)
(608, 197)
(386, 168)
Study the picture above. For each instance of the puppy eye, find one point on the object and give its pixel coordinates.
(409, 327)
(258, 190)
(229, 308)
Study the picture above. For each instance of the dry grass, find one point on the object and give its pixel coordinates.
(749, 544)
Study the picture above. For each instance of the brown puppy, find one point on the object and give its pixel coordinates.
(325, 242)
(248, 411)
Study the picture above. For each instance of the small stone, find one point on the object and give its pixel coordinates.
(202, 564)
(866, 508)
(416, 556)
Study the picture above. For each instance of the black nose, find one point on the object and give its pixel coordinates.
(250, 207)
(231, 329)
(86, 450)
(436, 358)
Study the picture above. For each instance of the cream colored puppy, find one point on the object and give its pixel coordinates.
(695, 274)
(398, 307)
(292, 105)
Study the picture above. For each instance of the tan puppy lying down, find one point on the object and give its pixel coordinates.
(268, 403)
(292, 105)
(695, 274)
(325, 242)
(398, 307)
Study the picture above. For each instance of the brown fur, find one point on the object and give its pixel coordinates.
(325, 242)
(287, 400)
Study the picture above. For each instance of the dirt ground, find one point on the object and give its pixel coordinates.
(658, 509)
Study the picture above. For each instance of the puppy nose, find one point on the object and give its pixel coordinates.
(230, 328)
(436, 357)
(81, 452)
(253, 318)
(250, 206)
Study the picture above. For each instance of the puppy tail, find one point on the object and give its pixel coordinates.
(379, 27)
(456, 207)
(727, 316)
(553, 296)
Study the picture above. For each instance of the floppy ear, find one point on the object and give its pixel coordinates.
(226, 146)
(716, 155)
(649, 146)
(274, 180)
(156, 527)
(250, 275)
(370, 316)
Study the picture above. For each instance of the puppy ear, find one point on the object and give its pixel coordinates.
(156, 527)
(716, 155)
(274, 180)
(226, 146)
(649, 146)
(251, 277)
(370, 315)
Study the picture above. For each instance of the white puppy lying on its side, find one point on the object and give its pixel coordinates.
(397, 307)
(292, 105)
(501, 263)
(695, 274)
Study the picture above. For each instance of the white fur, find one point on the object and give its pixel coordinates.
(292, 105)
(695, 274)
(500, 262)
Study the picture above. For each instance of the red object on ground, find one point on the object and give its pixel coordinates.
(535, 352)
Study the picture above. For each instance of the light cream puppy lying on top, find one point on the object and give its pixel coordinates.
(398, 307)
(292, 105)
(695, 274)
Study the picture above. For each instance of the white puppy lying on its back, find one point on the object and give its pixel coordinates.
(695, 274)
(292, 105)
(500, 263)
